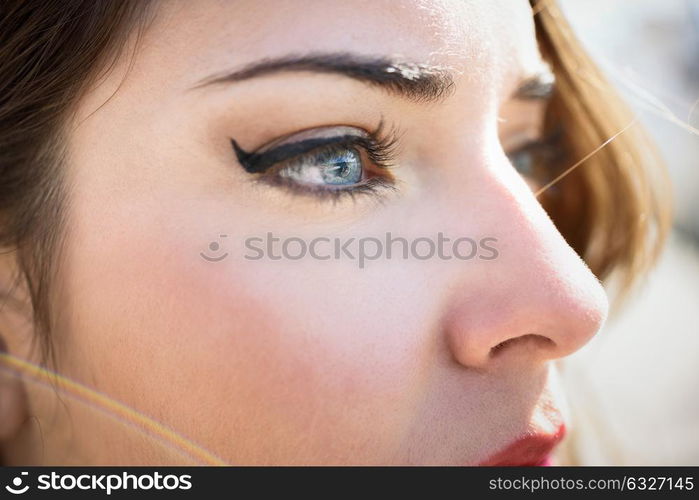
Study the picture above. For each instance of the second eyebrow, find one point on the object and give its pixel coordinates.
(414, 81)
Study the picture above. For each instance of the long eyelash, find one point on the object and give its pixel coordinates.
(379, 145)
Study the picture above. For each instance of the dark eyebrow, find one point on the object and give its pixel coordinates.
(539, 86)
(415, 81)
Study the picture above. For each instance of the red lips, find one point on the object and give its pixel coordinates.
(531, 450)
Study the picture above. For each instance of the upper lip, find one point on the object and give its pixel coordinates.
(530, 449)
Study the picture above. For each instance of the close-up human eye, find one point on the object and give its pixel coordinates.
(326, 162)
(535, 159)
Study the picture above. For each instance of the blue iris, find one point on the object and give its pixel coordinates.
(523, 162)
(340, 167)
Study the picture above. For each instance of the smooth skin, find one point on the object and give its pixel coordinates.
(308, 361)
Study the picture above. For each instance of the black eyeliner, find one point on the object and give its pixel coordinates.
(379, 146)
(257, 163)
(380, 149)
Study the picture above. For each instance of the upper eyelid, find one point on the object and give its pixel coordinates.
(258, 162)
(521, 138)
(247, 156)
(315, 132)
(379, 143)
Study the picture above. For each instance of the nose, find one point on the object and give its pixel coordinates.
(537, 300)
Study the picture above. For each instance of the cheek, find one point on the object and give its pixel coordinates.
(256, 361)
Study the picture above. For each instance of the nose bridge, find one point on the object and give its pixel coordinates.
(536, 288)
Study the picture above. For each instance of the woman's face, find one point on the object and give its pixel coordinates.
(259, 120)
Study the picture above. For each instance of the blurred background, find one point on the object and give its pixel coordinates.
(634, 390)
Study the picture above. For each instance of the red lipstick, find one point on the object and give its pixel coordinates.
(531, 450)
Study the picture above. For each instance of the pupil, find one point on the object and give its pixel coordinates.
(343, 168)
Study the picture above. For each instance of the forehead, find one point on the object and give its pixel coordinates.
(488, 38)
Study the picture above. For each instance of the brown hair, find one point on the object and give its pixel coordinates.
(611, 199)
(50, 51)
(611, 208)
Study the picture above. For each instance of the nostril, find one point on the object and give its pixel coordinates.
(528, 341)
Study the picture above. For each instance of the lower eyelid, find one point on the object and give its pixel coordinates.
(372, 186)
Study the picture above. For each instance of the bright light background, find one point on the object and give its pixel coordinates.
(635, 389)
